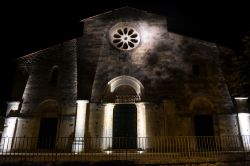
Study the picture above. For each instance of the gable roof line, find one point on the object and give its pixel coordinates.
(113, 11)
(204, 42)
(36, 53)
(95, 16)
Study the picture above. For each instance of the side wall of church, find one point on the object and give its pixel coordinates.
(39, 90)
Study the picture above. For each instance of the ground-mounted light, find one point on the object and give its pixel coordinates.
(140, 151)
(108, 151)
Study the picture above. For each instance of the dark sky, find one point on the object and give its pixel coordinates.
(30, 26)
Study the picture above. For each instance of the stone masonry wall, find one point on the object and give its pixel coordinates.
(38, 88)
(163, 63)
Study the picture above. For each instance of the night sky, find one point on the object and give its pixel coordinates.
(30, 26)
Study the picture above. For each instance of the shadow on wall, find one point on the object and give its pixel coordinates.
(201, 104)
(248, 103)
(49, 107)
(3, 107)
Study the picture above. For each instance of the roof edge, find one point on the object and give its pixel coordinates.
(110, 11)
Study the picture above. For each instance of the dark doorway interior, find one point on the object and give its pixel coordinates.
(204, 125)
(47, 133)
(204, 129)
(125, 126)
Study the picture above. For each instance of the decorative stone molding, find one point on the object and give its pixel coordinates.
(126, 80)
(124, 36)
(241, 104)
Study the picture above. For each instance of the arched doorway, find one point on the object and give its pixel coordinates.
(203, 121)
(49, 112)
(124, 114)
(202, 108)
(125, 126)
(47, 133)
(123, 89)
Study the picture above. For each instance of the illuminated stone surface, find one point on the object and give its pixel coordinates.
(124, 36)
(161, 62)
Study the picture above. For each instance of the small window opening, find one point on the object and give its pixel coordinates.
(54, 76)
(196, 70)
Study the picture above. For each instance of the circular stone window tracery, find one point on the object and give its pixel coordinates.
(124, 37)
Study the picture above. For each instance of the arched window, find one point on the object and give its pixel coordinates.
(196, 70)
(54, 76)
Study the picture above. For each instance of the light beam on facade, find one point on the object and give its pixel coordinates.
(12, 106)
(78, 144)
(107, 126)
(244, 122)
(8, 134)
(141, 126)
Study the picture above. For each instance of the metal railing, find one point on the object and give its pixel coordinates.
(144, 149)
(127, 99)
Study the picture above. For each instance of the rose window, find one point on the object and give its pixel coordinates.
(125, 38)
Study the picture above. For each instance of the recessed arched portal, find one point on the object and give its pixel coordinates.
(125, 126)
(124, 117)
(203, 121)
(49, 112)
(123, 89)
(126, 80)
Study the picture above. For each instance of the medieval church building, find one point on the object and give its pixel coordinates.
(125, 81)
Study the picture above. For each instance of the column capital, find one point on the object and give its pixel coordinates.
(82, 101)
(12, 106)
(241, 104)
(240, 98)
(13, 102)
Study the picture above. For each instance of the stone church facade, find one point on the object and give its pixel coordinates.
(126, 76)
